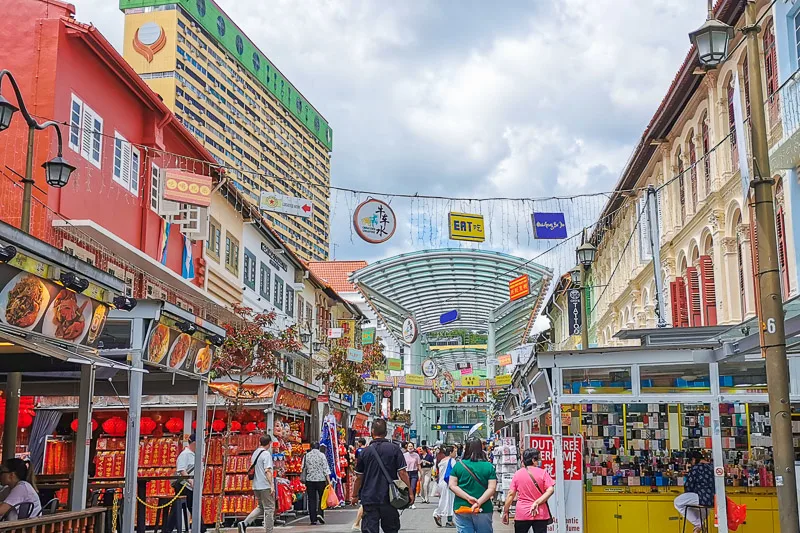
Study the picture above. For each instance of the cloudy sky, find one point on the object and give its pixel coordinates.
(467, 98)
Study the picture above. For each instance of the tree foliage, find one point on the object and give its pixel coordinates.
(348, 377)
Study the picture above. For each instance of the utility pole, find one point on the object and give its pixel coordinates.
(773, 347)
(655, 247)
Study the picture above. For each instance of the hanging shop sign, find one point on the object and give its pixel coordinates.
(393, 363)
(412, 434)
(415, 379)
(505, 360)
(572, 452)
(176, 345)
(466, 371)
(367, 336)
(33, 303)
(574, 311)
(354, 355)
(549, 226)
(410, 330)
(466, 227)
(187, 187)
(348, 339)
(335, 333)
(429, 369)
(360, 422)
(368, 401)
(293, 400)
(288, 205)
(448, 317)
(470, 381)
(462, 365)
(387, 393)
(374, 221)
(519, 287)
(451, 427)
(274, 260)
(397, 373)
(323, 398)
(505, 379)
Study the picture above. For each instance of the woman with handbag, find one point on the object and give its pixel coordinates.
(445, 508)
(316, 474)
(473, 481)
(532, 486)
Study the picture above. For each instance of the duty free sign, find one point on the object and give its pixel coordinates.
(572, 452)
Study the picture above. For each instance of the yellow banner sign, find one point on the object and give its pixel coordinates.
(467, 227)
(470, 381)
(504, 360)
(415, 379)
(505, 379)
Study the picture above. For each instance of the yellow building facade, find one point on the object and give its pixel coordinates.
(247, 114)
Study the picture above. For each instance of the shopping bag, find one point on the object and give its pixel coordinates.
(332, 500)
(737, 514)
(324, 503)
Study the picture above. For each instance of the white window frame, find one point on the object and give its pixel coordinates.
(155, 190)
(127, 165)
(75, 125)
(91, 137)
(76, 250)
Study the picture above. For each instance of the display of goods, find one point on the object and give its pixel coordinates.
(160, 451)
(158, 487)
(59, 457)
(110, 464)
(238, 463)
(110, 443)
(294, 464)
(296, 485)
(215, 451)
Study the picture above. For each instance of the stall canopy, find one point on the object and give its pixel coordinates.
(428, 284)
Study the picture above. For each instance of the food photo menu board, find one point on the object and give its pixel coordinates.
(36, 304)
(170, 348)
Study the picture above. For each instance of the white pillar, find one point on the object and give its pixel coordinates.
(716, 447)
(200, 451)
(79, 488)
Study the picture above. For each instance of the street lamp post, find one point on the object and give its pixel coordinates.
(586, 254)
(57, 172)
(708, 38)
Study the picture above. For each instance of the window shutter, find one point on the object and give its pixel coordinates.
(136, 161)
(660, 218)
(695, 307)
(645, 248)
(675, 304)
(155, 190)
(754, 262)
(709, 295)
(126, 165)
(86, 132)
(681, 187)
(683, 308)
(693, 173)
(780, 224)
(706, 155)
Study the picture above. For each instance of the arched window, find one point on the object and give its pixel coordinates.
(681, 186)
(739, 263)
(692, 172)
(732, 128)
(780, 226)
(706, 155)
(746, 83)
(771, 67)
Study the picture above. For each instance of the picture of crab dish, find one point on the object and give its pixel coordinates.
(68, 316)
(202, 362)
(179, 351)
(25, 299)
(159, 342)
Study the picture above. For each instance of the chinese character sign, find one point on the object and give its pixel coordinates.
(519, 287)
(374, 221)
(572, 500)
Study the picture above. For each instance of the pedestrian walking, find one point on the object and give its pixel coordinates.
(316, 474)
(698, 490)
(261, 470)
(426, 464)
(362, 443)
(374, 485)
(184, 466)
(532, 487)
(413, 461)
(445, 508)
(473, 480)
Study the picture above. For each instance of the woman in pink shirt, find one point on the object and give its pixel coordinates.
(532, 486)
(412, 467)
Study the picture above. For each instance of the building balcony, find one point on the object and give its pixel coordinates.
(783, 108)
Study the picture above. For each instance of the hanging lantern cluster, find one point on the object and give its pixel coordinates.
(147, 425)
(26, 412)
(115, 427)
(174, 425)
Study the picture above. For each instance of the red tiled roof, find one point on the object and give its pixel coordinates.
(335, 273)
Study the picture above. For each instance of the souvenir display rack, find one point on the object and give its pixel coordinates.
(506, 459)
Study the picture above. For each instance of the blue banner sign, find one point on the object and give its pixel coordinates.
(549, 226)
(451, 427)
(450, 316)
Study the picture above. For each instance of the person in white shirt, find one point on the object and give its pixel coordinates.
(17, 476)
(184, 466)
(263, 486)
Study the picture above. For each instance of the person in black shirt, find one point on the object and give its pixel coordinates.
(373, 485)
(698, 489)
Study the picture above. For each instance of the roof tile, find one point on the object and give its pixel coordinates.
(335, 273)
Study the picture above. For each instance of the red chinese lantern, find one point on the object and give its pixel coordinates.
(250, 427)
(194, 424)
(74, 425)
(25, 419)
(236, 426)
(217, 425)
(262, 426)
(147, 425)
(115, 426)
(174, 425)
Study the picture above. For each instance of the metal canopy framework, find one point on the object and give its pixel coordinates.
(426, 284)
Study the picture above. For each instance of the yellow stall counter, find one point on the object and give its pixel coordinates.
(636, 510)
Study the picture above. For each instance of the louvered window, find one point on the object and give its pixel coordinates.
(680, 311)
(85, 131)
(693, 174)
(681, 186)
(732, 128)
(706, 155)
(709, 292)
(693, 297)
(780, 225)
(771, 67)
(127, 162)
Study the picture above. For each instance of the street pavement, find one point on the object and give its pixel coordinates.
(341, 521)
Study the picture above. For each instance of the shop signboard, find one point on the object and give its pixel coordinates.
(355, 355)
(374, 221)
(429, 368)
(549, 226)
(288, 205)
(187, 188)
(574, 311)
(448, 317)
(31, 302)
(573, 476)
(466, 371)
(466, 227)
(451, 427)
(348, 339)
(505, 379)
(410, 330)
(470, 381)
(368, 401)
(367, 336)
(173, 346)
(412, 434)
(505, 360)
(519, 287)
(415, 379)
(323, 398)
(293, 400)
(394, 363)
(335, 333)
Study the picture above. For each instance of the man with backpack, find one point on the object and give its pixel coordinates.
(260, 473)
(380, 464)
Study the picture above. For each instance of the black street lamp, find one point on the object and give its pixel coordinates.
(57, 170)
(711, 40)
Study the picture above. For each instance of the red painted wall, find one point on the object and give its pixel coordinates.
(53, 62)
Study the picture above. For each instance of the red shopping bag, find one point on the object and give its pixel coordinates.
(737, 514)
(333, 500)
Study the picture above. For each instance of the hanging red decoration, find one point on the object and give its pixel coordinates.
(25, 419)
(114, 426)
(174, 425)
(250, 427)
(236, 425)
(147, 425)
(217, 425)
(74, 425)
(262, 426)
(194, 424)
